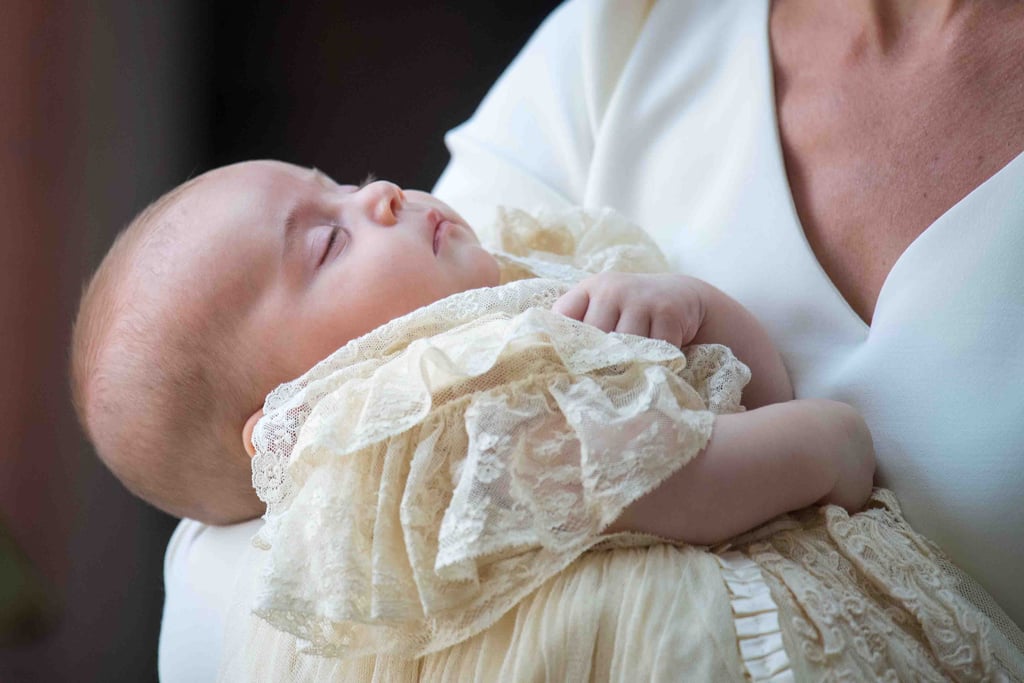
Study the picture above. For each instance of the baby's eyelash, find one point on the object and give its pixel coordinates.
(370, 177)
(330, 245)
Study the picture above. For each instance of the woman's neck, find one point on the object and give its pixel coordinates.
(893, 24)
(884, 28)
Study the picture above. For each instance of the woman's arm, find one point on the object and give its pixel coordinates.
(757, 465)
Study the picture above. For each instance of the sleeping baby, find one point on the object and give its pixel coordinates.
(433, 431)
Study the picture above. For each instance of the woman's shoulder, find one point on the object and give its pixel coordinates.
(587, 97)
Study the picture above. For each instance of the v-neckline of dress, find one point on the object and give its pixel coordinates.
(767, 88)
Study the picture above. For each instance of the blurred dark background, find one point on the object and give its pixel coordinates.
(103, 107)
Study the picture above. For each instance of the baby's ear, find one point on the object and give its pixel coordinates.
(250, 425)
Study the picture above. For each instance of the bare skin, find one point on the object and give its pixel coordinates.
(760, 464)
(889, 114)
(682, 311)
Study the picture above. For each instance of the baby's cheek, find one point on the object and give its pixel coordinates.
(487, 272)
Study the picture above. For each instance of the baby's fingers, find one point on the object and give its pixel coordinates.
(602, 315)
(667, 329)
(578, 305)
(573, 304)
(634, 321)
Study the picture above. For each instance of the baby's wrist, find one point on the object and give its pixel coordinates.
(845, 449)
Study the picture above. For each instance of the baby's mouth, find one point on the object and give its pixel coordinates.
(440, 223)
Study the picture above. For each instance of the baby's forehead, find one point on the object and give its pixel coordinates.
(261, 175)
(226, 228)
(248, 191)
(217, 245)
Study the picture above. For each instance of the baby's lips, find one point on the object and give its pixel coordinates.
(435, 221)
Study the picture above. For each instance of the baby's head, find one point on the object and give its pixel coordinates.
(230, 284)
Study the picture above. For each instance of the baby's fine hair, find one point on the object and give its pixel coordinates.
(160, 393)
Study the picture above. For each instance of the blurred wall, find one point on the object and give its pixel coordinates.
(99, 117)
(352, 87)
(104, 106)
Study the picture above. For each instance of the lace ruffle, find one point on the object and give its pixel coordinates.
(432, 492)
(572, 244)
(563, 246)
(426, 477)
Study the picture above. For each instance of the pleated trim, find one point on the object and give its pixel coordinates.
(756, 617)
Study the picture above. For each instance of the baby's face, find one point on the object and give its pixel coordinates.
(309, 264)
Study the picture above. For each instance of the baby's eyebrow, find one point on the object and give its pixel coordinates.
(291, 224)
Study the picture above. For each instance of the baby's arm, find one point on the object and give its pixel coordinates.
(779, 456)
(681, 310)
(757, 465)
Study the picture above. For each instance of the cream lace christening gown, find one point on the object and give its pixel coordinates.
(436, 492)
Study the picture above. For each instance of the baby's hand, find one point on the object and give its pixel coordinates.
(659, 306)
(843, 434)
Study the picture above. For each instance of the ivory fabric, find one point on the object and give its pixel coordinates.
(817, 596)
(434, 485)
(204, 573)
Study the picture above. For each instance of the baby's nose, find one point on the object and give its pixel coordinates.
(382, 201)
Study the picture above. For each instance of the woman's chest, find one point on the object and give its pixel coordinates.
(934, 244)
(876, 152)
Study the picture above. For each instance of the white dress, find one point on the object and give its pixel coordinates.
(667, 115)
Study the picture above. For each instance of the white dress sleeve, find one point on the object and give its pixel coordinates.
(531, 141)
